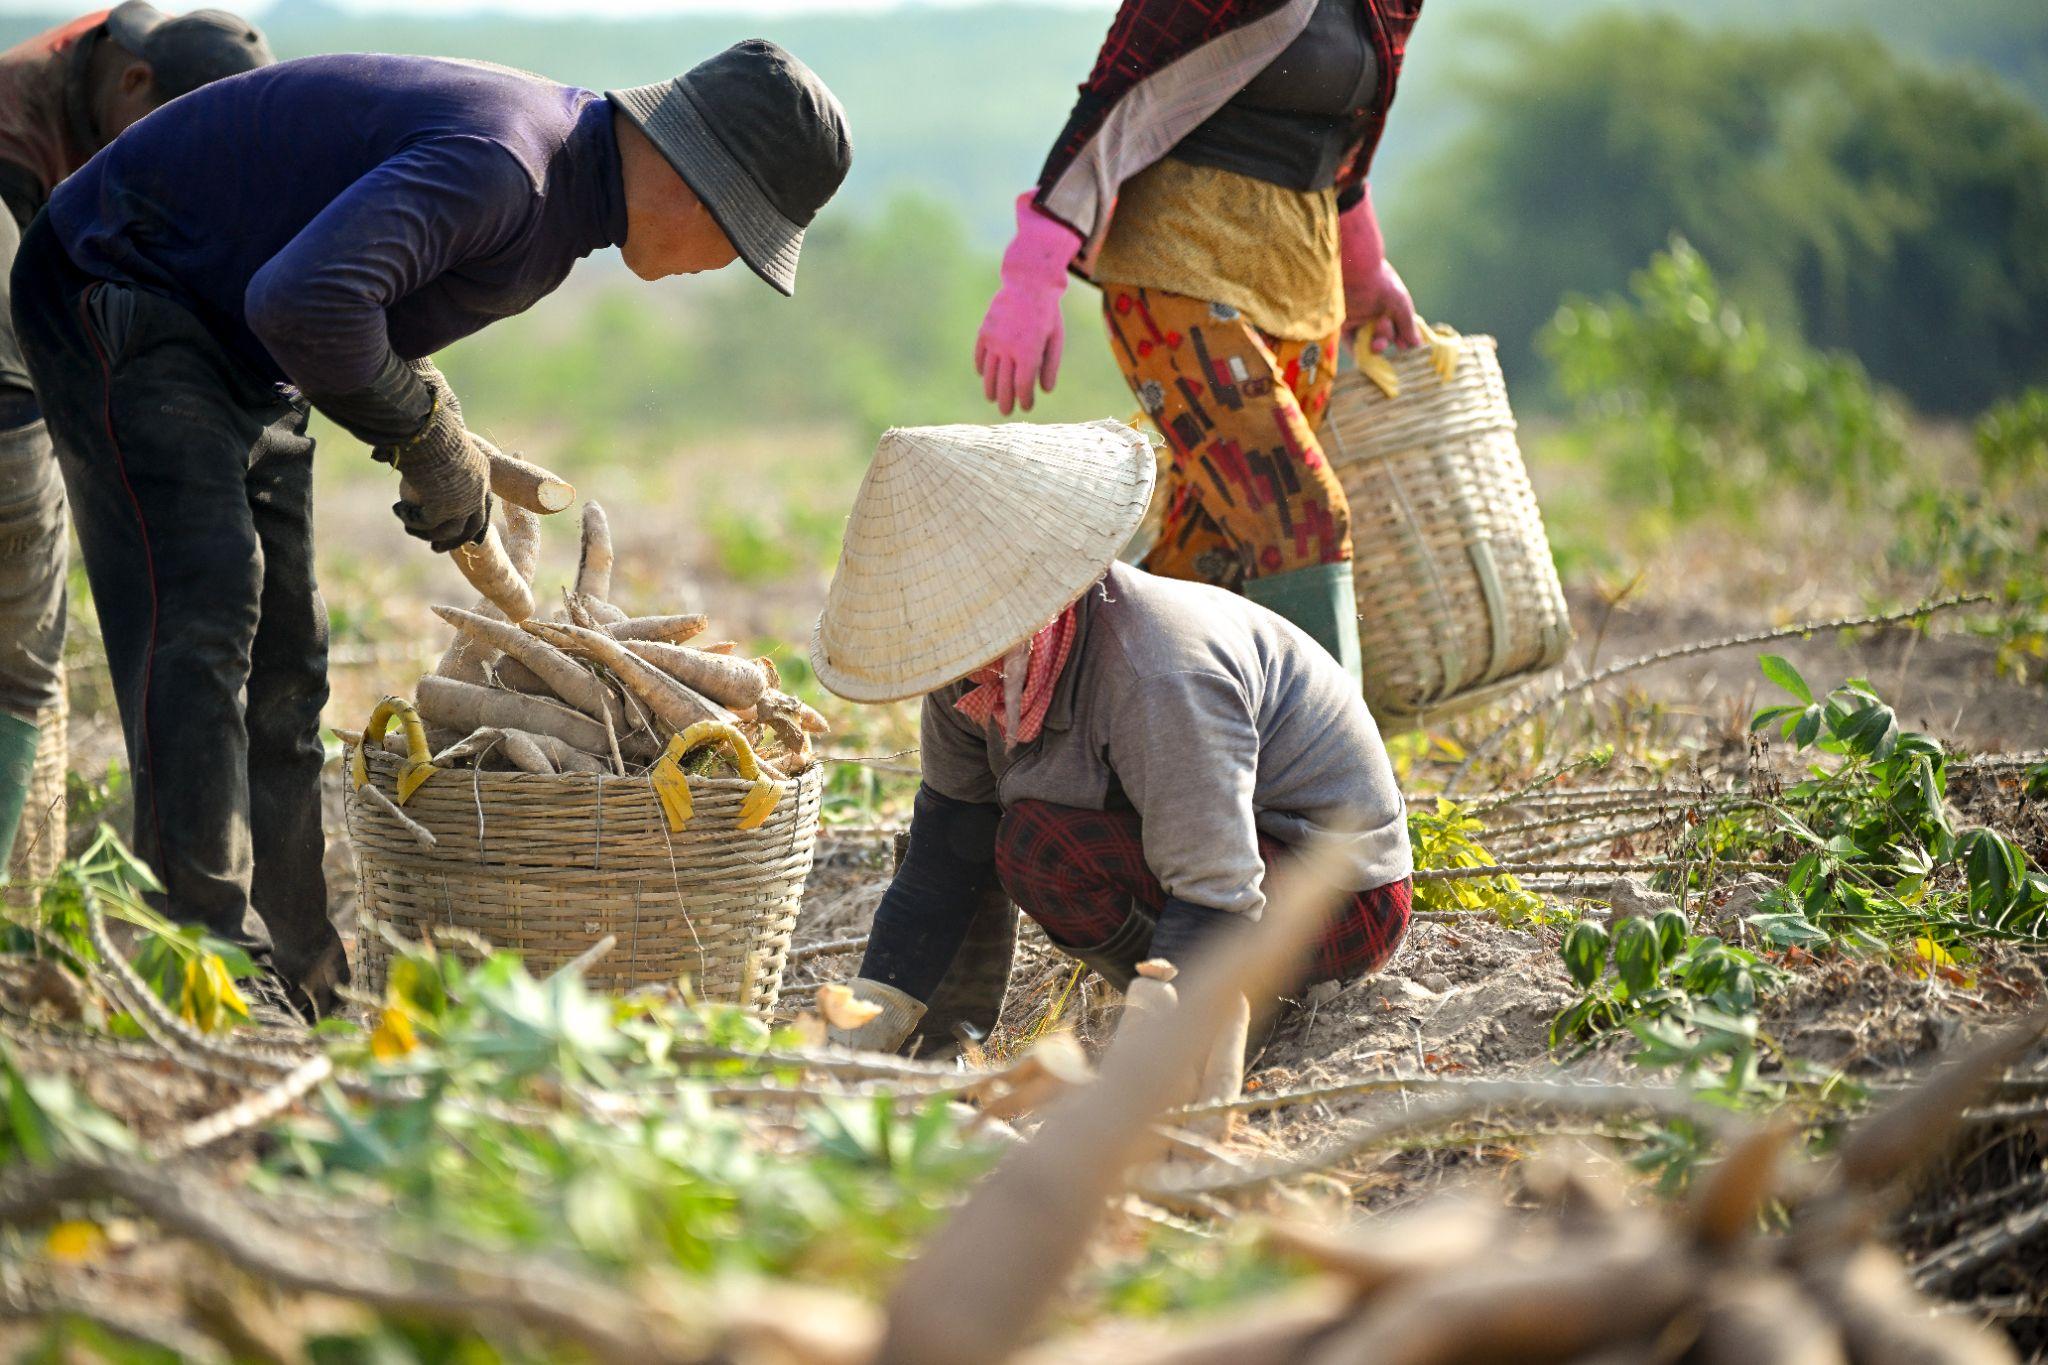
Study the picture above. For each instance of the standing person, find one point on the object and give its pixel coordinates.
(1122, 755)
(64, 95)
(375, 209)
(1212, 180)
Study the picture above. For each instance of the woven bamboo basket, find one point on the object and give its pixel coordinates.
(549, 865)
(39, 844)
(1458, 598)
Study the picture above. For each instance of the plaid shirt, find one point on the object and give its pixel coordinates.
(1186, 58)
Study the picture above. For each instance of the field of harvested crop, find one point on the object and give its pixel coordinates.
(1648, 1094)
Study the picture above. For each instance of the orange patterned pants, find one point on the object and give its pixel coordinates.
(1248, 493)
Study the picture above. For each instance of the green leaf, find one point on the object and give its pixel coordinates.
(1780, 671)
(1585, 953)
(1788, 930)
(1672, 931)
(1638, 957)
(1771, 714)
(1807, 728)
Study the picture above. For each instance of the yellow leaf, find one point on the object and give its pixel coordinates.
(75, 1241)
(394, 1036)
(1932, 953)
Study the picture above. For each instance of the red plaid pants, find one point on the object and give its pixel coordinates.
(1082, 874)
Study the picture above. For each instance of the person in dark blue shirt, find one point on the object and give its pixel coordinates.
(311, 233)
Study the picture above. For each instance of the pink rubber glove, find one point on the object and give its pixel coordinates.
(1021, 335)
(1373, 293)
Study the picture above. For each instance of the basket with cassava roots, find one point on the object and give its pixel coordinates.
(1458, 599)
(556, 782)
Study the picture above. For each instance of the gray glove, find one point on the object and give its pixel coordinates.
(445, 495)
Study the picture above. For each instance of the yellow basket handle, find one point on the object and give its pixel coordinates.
(672, 786)
(1441, 339)
(416, 768)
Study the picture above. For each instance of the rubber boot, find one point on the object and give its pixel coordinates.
(1322, 601)
(17, 770)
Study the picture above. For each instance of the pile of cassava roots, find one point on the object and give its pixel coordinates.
(591, 688)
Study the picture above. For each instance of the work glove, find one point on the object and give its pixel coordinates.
(1375, 299)
(445, 488)
(1021, 335)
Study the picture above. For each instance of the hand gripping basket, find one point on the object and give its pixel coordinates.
(696, 877)
(1458, 598)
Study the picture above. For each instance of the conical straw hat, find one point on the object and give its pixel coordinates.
(965, 540)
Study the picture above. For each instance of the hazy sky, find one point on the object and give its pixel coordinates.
(573, 8)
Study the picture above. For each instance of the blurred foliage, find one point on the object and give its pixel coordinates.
(880, 333)
(1702, 405)
(1871, 203)
(2012, 439)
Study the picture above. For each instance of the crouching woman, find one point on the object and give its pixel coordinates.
(1122, 756)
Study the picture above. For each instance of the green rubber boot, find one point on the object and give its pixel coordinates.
(17, 769)
(1322, 601)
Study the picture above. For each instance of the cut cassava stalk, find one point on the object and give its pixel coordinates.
(525, 485)
(672, 629)
(594, 564)
(566, 678)
(722, 647)
(672, 703)
(466, 707)
(736, 683)
(489, 570)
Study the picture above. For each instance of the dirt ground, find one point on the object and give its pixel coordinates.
(1466, 997)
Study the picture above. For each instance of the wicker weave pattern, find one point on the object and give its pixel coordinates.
(1458, 597)
(39, 842)
(548, 865)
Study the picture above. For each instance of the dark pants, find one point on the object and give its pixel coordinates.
(1082, 875)
(190, 481)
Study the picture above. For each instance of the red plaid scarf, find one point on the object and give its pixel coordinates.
(1019, 719)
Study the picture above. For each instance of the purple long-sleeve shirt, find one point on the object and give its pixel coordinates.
(332, 217)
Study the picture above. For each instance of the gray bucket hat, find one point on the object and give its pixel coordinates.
(756, 136)
(186, 51)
